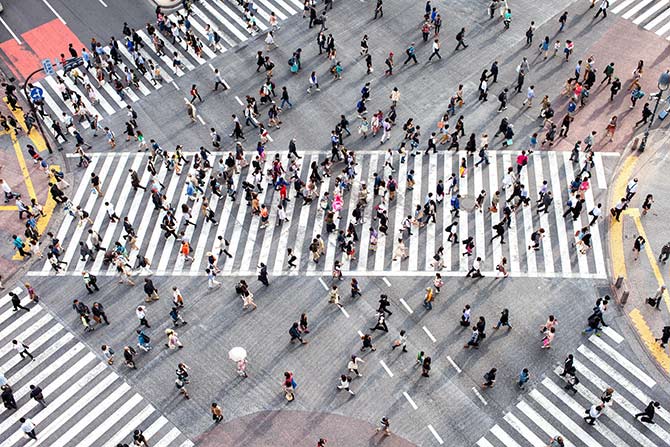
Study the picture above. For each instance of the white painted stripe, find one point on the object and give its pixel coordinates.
(54, 11)
(429, 246)
(614, 335)
(122, 170)
(155, 427)
(75, 407)
(186, 63)
(229, 26)
(258, 11)
(401, 196)
(364, 251)
(73, 246)
(437, 437)
(503, 436)
(582, 260)
(109, 192)
(432, 338)
(206, 19)
(6, 299)
(323, 284)
(650, 11)
(409, 399)
(600, 171)
(187, 48)
(585, 372)
(187, 443)
(360, 334)
(404, 303)
(205, 227)
(484, 443)
(479, 395)
(6, 349)
(346, 314)
(168, 438)
(564, 419)
(463, 227)
(462, 182)
(10, 31)
(664, 29)
(458, 370)
(350, 204)
(557, 191)
(598, 252)
(149, 210)
(417, 199)
(199, 28)
(108, 88)
(54, 86)
(50, 390)
(147, 58)
(524, 431)
(10, 312)
(102, 101)
(297, 4)
(67, 220)
(386, 368)
(621, 6)
(541, 422)
(89, 417)
(167, 60)
(531, 261)
(635, 9)
(41, 358)
(125, 432)
(547, 251)
(579, 410)
(514, 259)
(623, 361)
(480, 226)
(388, 284)
(84, 98)
(110, 420)
(620, 379)
(167, 251)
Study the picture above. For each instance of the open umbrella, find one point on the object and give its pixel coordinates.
(237, 354)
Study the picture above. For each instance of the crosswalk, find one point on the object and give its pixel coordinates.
(88, 404)
(549, 409)
(251, 245)
(652, 15)
(224, 17)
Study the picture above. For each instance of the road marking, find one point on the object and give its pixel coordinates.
(323, 284)
(237, 98)
(614, 335)
(404, 303)
(54, 11)
(478, 394)
(388, 370)
(10, 31)
(409, 399)
(649, 340)
(503, 436)
(346, 314)
(425, 329)
(202, 121)
(175, 85)
(360, 334)
(616, 228)
(386, 281)
(103, 3)
(437, 437)
(24, 168)
(458, 370)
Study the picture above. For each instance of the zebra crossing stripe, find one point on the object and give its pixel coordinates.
(205, 19)
(6, 315)
(480, 237)
(531, 261)
(205, 47)
(547, 252)
(623, 361)
(168, 438)
(271, 8)
(558, 212)
(600, 384)
(621, 6)
(54, 86)
(229, 26)
(147, 41)
(564, 419)
(27, 333)
(353, 194)
(84, 96)
(401, 198)
(504, 437)
(651, 11)
(417, 199)
(524, 431)
(484, 443)
(282, 240)
(367, 213)
(258, 11)
(430, 226)
(579, 410)
(634, 10)
(110, 420)
(541, 422)
(132, 424)
(6, 299)
(446, 214)
(514, 259)
(582, 261)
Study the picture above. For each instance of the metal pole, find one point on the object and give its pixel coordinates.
(643, 145)
(33, 111)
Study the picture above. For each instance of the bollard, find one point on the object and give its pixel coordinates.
(619, 282)
(636, 141)
(624, 297)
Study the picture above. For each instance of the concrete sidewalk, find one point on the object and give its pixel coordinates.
(644, 275)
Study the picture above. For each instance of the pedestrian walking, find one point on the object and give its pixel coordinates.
(353, 365)
(593, 413)
(665, 336)
(128, 356)
(460, 38)
(173, 341)
(296, 334)
(141, 313)
(28, 427)
(400, 341)
(381, 324)
(524, 377)
(16, 302)
(345, 384)
(647, 416)
(503, 320)
(22, 349)
(426, 367)
(108, 354)
(385, 424)
(37, 394)
(490, 378)
(217, 413)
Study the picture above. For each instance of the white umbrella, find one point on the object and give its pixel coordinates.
(237, 354)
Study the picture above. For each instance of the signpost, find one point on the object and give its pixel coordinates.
(36, 93)
(48, 68)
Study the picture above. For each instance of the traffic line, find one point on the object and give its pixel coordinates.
(10, 31)
(432, 338)
(409, 399)
(649, 340)
(202, 121)
(437, 437)
(479, 395)
(323, 284)
(360, 334)
(524, 431)
(387, 369)
(404, 303)
(103, 3)
(346, 314)
(175, 85)
(388, 284)
(54, 11)
(237, 98)
(623, 361)
(503, 436)
(458, 370)
(614, 335)
(24, 168)
(616, 228)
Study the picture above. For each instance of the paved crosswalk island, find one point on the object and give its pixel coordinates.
(252, 244)
(224, 17)
(87, 403)
(550, 409)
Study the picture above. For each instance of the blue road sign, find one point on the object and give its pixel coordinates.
(36, 93)
(48, 67)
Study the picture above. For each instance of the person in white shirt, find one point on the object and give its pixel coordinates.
(141, 313)
(28, 427)
(593, 413)
(345, 382)
(352, 366)
(111, 212)
(595, 213)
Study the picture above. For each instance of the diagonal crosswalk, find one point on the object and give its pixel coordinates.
(652, 15)
(251, 244)
(227, 19)
(550, 410)
(88, 404)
